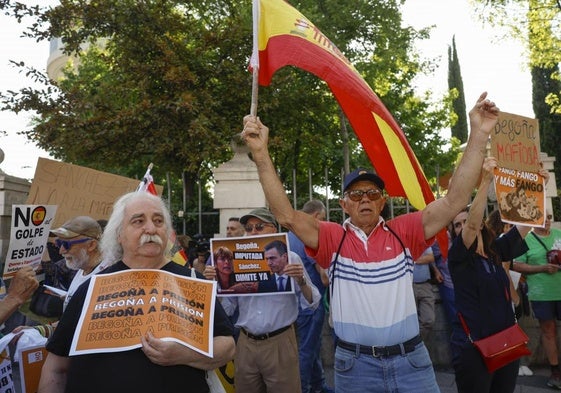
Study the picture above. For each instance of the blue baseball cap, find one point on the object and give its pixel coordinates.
(362, 174)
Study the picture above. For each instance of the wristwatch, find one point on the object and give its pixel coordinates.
(302, 282)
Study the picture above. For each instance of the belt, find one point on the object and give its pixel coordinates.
(266, 335)
(397, 349)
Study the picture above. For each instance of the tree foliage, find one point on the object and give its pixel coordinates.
(166, 82)
(536, 23)
(456, 84)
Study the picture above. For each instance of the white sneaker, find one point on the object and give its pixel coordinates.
(524, 371)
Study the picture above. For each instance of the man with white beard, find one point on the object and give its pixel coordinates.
(78, 242)
(134, 238)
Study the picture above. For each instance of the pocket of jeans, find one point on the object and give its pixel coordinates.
(419, 358)
(343, 361)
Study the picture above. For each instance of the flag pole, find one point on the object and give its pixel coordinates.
(255, 59)
(144, 180)
(254, 91)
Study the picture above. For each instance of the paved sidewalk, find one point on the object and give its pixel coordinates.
(534, 384)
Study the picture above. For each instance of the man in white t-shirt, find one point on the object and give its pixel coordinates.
(78, 242)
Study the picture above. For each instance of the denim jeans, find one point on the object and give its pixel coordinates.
(360, 373)
(309, 327)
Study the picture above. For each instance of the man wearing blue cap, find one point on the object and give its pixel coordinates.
(372, 302)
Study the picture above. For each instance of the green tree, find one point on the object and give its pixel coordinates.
(456, 85)
(167, 82)
(535, 23)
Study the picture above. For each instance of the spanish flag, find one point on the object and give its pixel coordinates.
(283, 36)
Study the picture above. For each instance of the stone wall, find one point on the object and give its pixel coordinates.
(13, 191)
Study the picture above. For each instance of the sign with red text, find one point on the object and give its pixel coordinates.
(29, 234)
(249, 265)
(123, 306)
(515, 142)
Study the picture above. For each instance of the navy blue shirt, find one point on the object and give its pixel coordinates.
(482, 287)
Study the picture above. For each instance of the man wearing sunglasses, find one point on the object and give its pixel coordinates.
(267, 351)
(78, 243)
(372, 302)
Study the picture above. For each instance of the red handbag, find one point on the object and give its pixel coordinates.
(501, 348)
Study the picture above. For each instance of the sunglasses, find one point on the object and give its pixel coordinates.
(258, 227)
(356, 195)
(67, 244)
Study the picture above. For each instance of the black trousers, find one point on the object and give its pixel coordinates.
(472, 375)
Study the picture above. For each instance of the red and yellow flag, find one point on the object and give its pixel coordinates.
(283, 36)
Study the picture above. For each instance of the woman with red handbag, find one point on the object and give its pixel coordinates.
(482, 293)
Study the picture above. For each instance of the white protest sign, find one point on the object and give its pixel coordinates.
(28, 239)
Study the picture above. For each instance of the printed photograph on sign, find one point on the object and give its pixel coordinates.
(520, 197)
(29, 235)
(123, 306)
(251, 265)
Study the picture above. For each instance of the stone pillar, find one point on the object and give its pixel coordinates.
(237, 189)
(551, 187)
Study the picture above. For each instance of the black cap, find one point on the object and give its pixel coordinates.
(362, 174)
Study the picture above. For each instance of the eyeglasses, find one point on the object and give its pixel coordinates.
(356, 195)
(258, 227)
(67, 244)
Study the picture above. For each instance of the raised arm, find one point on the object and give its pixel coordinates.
(477, 209)
(439, 213)
(305, 226)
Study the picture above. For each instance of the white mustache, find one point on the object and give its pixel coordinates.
(151, 238)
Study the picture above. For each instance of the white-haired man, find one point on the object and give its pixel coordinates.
(135, 238)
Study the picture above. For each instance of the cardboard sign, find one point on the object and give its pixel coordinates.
(123, 306)
(242, 268)
(78, 190)
(30, 365)
(29, 234)
(515, 142)
(520, 197)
